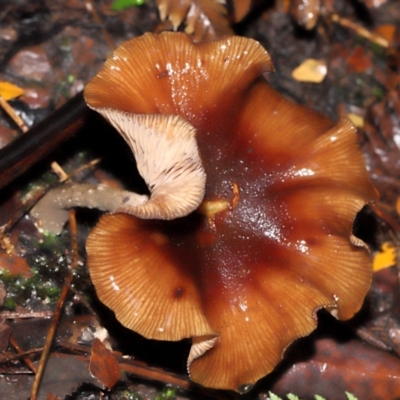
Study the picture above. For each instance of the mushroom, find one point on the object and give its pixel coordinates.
(167, 158)
(245, 274)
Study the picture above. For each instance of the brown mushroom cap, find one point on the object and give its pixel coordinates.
(247, 280)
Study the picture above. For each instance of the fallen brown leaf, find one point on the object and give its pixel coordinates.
(103, 365)
(352, 366)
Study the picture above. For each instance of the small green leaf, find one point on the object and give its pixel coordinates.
(292, 396)
(318, 397)
(124, 4)
(273, 396)
(351, 396)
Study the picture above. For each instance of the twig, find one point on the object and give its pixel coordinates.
(88, 165)
(27, 205)
(21, 315)
(13, 115)
(43, 138)
(74, 239)
(18, 356)
(27, 360)
(58, 310)
(15, 371)
(62, 175)
(84, 302)
(49, 338)
(154, 374)
(361, 31)
(92, 9)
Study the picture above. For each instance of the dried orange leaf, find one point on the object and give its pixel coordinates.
(103, 365)
(386, 31)
(356, 120)
(9, 91)
(310, 70)
(241, 7)
(14, 264)
(359, 60)
(339, 366)
(203, 19)
(51, 396)
(385, 257)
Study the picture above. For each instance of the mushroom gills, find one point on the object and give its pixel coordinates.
(167, 158)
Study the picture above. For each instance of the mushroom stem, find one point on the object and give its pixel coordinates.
(52, 212)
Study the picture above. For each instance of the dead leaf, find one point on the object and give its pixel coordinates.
(356, 120)
(9, 91)
(353, 366)
(359, 60)
(14, 264)
(103, 365)
(203, 19)
(385, 257)
(386, 31)
(241, 8)
(51, 396)
(310, 70)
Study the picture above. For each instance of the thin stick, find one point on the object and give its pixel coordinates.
(74, 238)
(13, 115)
(13, 357)
(154, 374)
(62, 175)
(360, 30)
(27, 360)
(38, 195)
(49, 338)
(88, 165)
(58, 310)
(92, 9)
(24, 315)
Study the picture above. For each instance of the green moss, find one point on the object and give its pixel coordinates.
(167, 394)
(49, 267)
(119, 5)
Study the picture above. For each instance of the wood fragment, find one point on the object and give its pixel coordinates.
(27, 360)
(360, 30)
(154, 374)
(19, 356)
(88, 165)
(56, 168)
(24, 315)
(13, 115)
(74, 239)
(43, 138)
